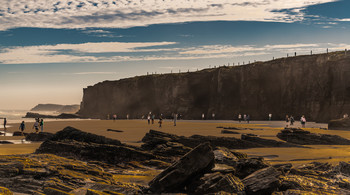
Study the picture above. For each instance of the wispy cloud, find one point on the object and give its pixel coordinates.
(123, 14)
(117, 52)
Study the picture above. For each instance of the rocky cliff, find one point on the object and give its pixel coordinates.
(317, 86)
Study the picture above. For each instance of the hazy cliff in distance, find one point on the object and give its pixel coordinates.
(56, 108)
(317, 86)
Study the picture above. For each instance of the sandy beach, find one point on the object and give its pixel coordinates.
(134, 131)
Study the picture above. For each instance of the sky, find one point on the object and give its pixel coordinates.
(51, 49)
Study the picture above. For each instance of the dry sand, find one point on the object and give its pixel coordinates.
(134, 130)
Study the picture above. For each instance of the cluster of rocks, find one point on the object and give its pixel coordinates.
(76, 162)
(302, 137)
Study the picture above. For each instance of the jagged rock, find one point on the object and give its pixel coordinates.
(339, 124)
(267, 142)
(264, 181)
(72, 133)
(245, 167)
(156, 163)
(38, 137)
(302, 137)
(225, 156)
(5, 191)
(195, 163)
(214, 183)
(228, 132)
(343, 168)
(113, 154)
(283, 168)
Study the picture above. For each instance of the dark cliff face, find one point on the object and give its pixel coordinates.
(316, 86)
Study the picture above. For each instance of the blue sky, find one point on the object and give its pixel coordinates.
(51, 49)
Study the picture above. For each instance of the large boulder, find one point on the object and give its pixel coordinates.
(264, 181)
(339, 124)
(112, 154)
(38, 137)
(180, 174)
(71, 133)
(302, 137)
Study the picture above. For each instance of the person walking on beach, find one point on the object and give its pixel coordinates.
(239, 118)
(244, 117)
(160, 121)
(175, 118)
(203, 116)
(5, 122)
(291, 120)
(270, 117)
(213, 116)
(114, 117)
(248, 118)
(42, 125)
(153, 116)
(287, 118)
(303, 121)
(36, 126)
(22, 127)
(149, 118)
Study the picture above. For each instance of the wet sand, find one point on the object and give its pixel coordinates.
(134, 130)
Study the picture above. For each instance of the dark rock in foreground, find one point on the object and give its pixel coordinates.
(197, 162)
(264, 181)
(18, 133)
(339, 124)
(38, 137)
(302, 137)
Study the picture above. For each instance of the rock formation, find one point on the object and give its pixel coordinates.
(317, 86)
(203, 169)
(339, 124)
(60, 116)
(302, 137)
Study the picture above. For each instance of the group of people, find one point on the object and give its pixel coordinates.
(212, 116)
(246, 117)
(39, 123)
(290, 120)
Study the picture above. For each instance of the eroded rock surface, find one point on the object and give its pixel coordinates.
(302, 137)
(339, 124)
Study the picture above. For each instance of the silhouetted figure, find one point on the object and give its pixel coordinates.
(160, 121)
(248, 118)
(22, 127)
(175, 119)
(239, 117)
(213, 116)
(303, 121)
(244, 117)
(36, 126)
(291, 120)
(5, 122)
(287, 118)
(42, 125)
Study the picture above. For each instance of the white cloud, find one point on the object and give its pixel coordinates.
(122, 14)
(344, 20)
(117, 52)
